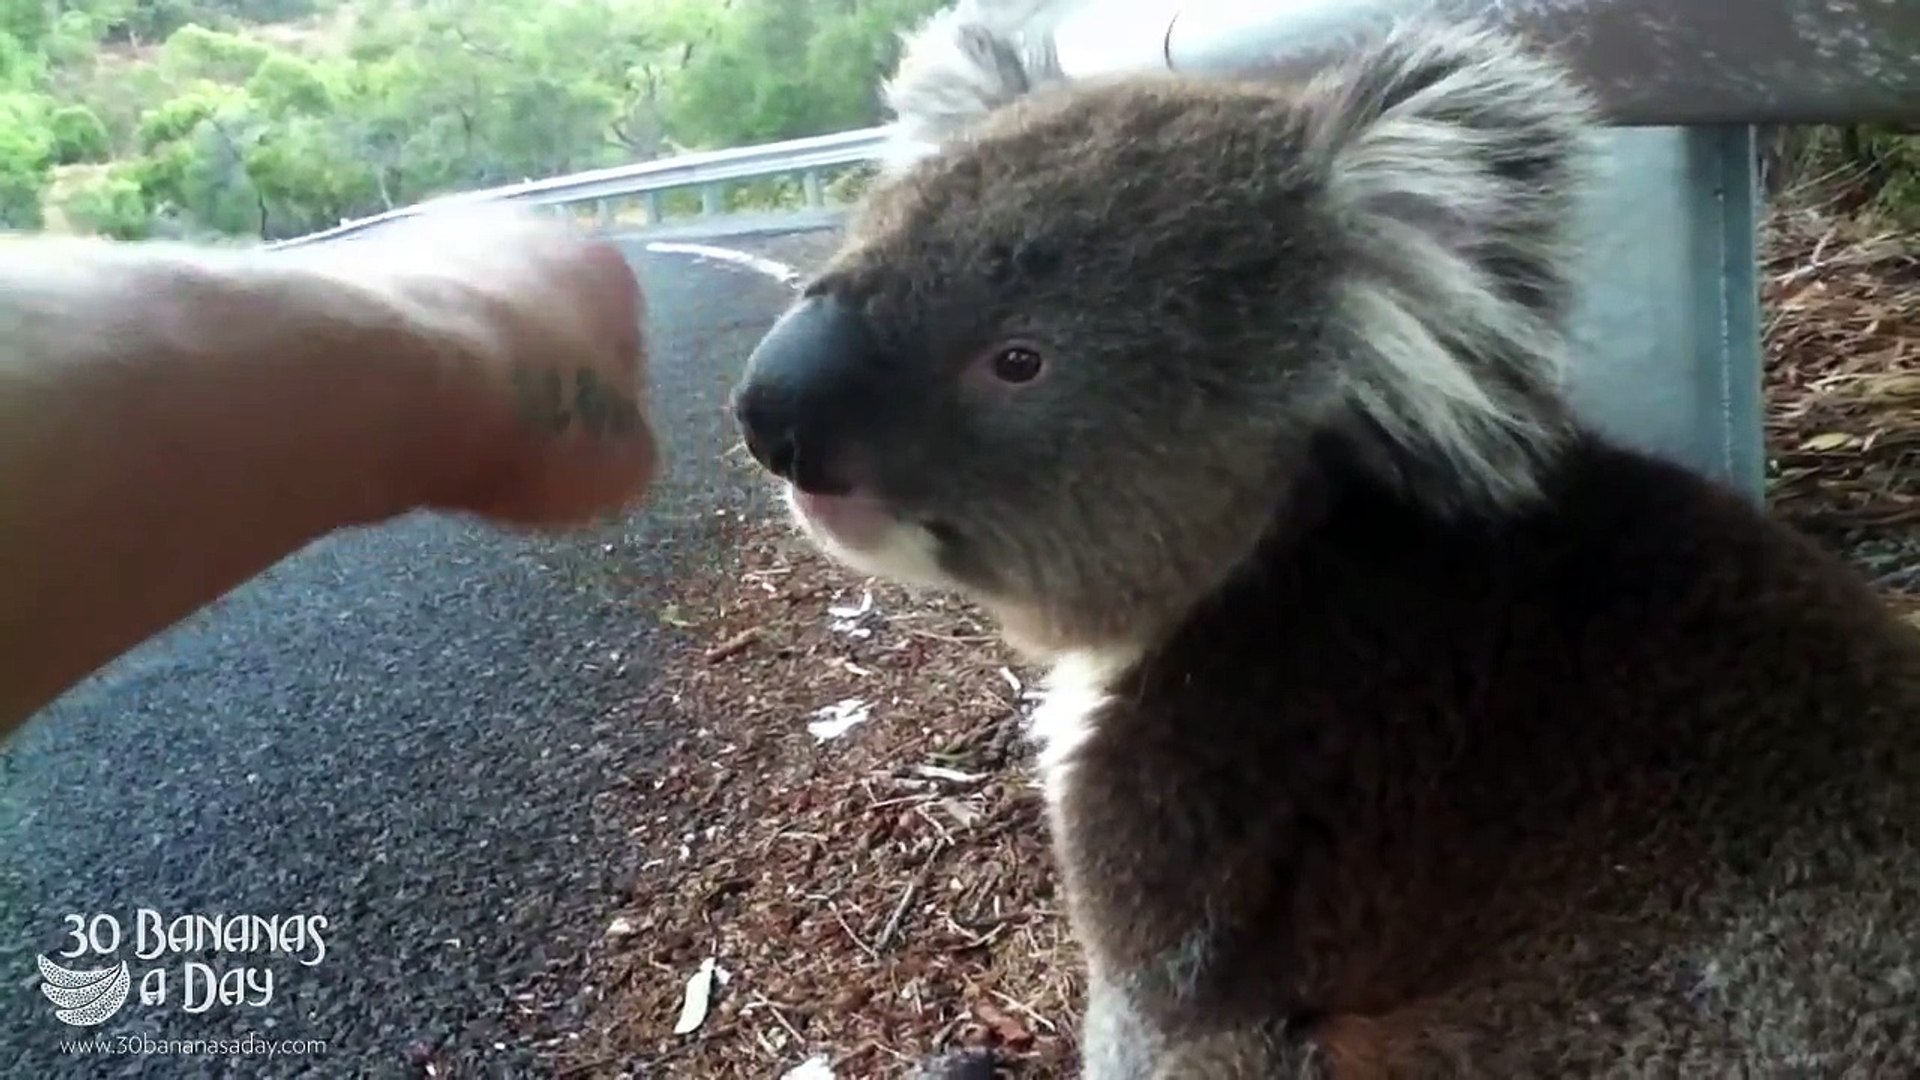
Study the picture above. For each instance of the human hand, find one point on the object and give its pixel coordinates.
(534, 333)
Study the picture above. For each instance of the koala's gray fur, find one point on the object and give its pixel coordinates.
(1399, 724)
(964, 61)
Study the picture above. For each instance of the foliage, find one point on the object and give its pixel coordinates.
(26, 159)
(774, 69)
(110, 203)
(286, 86)
(26, 21)
(1870, 170)
(77, 135)
(268, 118)
(20, 64)
(1890, 161)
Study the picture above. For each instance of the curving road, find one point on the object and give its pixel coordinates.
(409, 731)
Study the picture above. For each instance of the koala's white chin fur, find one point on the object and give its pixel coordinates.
(899, 551)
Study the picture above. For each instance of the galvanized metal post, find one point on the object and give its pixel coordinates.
(654, 212)
(810, 179)
(1667, 332)
(712, 198)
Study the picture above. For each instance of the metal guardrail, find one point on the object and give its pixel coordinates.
(710, 171)
(1651, 63)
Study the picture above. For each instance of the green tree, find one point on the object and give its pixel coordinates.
(77, 136)
(73, 45)
(110, 204)
(26, 21)
(781, 69)
(142, 21)
(26, 160)
(20, 64)
(286, 86)
(306, 175)
(193, 51)
(192, 160)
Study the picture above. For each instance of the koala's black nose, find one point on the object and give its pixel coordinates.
(810, 383)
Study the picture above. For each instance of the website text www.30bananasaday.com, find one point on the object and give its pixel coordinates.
(248, 1045)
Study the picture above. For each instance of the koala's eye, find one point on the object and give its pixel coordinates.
(1016, 364)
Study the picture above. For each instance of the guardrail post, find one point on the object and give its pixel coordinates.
(816, 196)
(603, 208)
(1667, 330)
(712, 198)
(655, 213)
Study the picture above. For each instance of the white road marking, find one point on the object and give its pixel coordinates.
(779, 271)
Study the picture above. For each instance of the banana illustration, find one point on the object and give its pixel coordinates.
(84, 998)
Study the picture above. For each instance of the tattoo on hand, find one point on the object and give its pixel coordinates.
(600, 408)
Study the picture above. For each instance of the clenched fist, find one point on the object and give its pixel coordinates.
(533, 333)
(175, 418)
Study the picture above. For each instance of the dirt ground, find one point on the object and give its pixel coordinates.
(866, 895)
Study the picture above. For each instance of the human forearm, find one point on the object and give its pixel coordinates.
(173, 421)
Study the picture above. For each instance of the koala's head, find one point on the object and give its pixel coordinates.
(1077, 359)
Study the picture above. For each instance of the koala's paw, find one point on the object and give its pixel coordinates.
(958, 1065)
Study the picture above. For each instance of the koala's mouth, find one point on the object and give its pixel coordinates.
(855, 520)
(862, 520)
(869, 534)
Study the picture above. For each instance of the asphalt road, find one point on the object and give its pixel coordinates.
(406, 730)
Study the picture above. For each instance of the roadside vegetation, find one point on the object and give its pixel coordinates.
(255, 119)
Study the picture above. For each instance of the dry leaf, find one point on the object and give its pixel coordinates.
(816, 1067)
(693, 1008)
(833, 721)
(1905, 384)
(1828, 441)
(843, 611)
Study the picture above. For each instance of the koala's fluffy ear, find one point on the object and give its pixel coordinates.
(1467, 136)
(1456, 160)
(962, 63)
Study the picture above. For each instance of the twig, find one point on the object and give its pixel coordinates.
(855, 938)
(1020, 1007)
(893, 921)
(761, 1002)
(734, 645)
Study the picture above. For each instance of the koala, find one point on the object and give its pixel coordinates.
(1398, 721)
